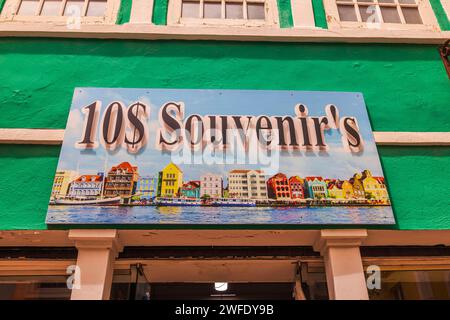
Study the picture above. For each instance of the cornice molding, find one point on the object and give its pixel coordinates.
(143, 31)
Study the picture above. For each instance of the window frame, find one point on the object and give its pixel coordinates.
(174, 17)
(411, 263)
(429, 21)
(11, 8)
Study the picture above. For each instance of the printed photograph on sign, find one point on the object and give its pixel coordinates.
(218, 157)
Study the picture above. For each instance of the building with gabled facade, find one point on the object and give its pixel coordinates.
(121, 180)
(297, 188)
(247, 184)
(278, 187)
(171, 180)
(347, 189)
(373, 189)
(334, 189)
(358, 186)
(383, 193)
(86, 186)
(191, 189)
(317, 187)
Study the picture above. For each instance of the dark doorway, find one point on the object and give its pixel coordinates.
(235, 291)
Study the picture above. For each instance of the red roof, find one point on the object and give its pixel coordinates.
(279, 176)
(125, 166)
(314, 178)
(295, 179)
(379, 179)
(334, 183)
(191, 185)
(89, 178)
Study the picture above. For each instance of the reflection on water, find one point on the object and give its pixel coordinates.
(169, 210)
(219, 215)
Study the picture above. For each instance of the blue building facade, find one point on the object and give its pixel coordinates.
(316, 187)
(191, 189)
(147, 187)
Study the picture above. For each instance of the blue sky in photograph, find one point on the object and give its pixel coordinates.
(337, 163)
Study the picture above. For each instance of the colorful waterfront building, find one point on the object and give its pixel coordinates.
(147, 187)
(372, 188)
(171, 180)
(317, 187)
(334, 189)
(61, 183)
(384, 196)
(347, 189)
(121, 181)
(191, 189)
(86, 186)
(211, 185)
(358, 187)
(297, 187)
(278, 187)
(247, 184)
(386, 50)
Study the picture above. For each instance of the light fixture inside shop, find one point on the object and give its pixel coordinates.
(221, 286)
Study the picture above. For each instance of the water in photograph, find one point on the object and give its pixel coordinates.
(218, 215)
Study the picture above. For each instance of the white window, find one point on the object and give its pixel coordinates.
(223, 12)
(74, 12)
(380, 14)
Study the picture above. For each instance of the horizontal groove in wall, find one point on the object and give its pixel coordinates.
(38, 253)
(383, 138)
(215, 252)
(171, 252)
(408, 251)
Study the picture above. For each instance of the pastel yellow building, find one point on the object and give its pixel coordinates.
(358, 186)
(340, 189)
(61, 183)
(383, 190)
(171, 180)
(374, 190)
(335, 190)
(347, 190)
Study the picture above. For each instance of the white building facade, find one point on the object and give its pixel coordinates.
(247, 184)
(62, 182)
(86, 186)
(212, 185)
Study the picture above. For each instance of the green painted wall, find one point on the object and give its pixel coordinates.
(414, 178)
(2, 3)
(405, 87)
(441, 15)
(285, 13)
(42, 73)
(124, 12)
(319, 14)
(160, 12)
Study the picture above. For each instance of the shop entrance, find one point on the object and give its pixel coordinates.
(252, 279)
(213, 291)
